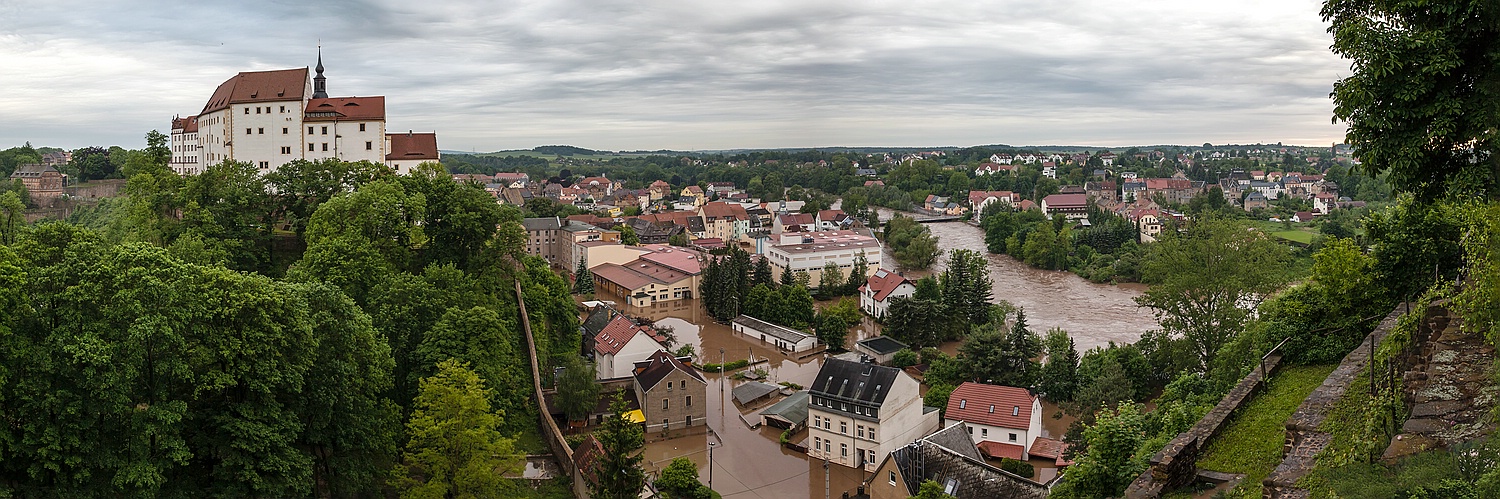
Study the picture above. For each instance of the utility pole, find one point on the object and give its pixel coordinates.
(711, 446)
(825, 476)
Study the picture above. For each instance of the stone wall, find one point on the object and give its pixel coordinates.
(1176, 464)
(550, 432)
(1303, 439)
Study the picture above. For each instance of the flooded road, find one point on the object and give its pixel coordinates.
(1093, 314)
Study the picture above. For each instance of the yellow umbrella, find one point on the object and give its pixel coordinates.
(636, 416)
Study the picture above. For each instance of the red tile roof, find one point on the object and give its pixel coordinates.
(883, 282)
(998, 450)
(587, 456)
(346, 109)
(409, 145)
(1066, 201)
(187, 125)
(998, 406)
(639, 273)
(1026, 204)
(616, 334)
(1153, 184)
(258, 86)
(723, 210)
(1048, 448)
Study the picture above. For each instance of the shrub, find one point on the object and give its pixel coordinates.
(1020, 468)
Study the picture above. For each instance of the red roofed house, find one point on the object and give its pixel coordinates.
(666, 273)
(1002, 420)
(667, 387)
(660, 189)
(620, 345)
(833, 220)
(726, 221)
(978, 200)
(1070, 205)
(880, 288)
(794, 222)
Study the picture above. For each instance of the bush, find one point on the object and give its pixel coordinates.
(1019, 468)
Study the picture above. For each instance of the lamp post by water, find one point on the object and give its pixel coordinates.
(711, 446)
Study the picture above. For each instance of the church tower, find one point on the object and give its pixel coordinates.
(320, 84)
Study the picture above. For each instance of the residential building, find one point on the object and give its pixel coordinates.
(727, 221)
(794, 222)
(659, 190)
(1255, 200)
(1073, 206)
(1002, 420)
(882, 287)
(622, 343)
(882, 349)
(542, 236)
(979, 200)
(698, 197)
(43, 182)
(672, 393)
(1176, 190)
(1102, 191)
(514, 180)
(783, 338)
(811, 251)
(268, 118)
(949, 458)
(860, 412)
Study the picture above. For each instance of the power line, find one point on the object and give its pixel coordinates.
(767, 485)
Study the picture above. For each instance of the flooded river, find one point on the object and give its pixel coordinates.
(1094, 314)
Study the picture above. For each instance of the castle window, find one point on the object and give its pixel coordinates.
(283, 109)
(260, 131)
(247, 110)
(247, 130)
(368, 145)
(361, 127)
(325, 130)
(283, 130)
(309, 130)
(257, 110)
(310, 147)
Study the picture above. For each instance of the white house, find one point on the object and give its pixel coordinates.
(811, 251)
(880, 288)
(1003, 420)
(859, 412)
(620, 345)
(784, 338)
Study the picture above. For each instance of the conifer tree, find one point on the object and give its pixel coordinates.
(583, 284)
(619, 475)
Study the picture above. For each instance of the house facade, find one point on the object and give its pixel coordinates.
(43, 182)
(1002, 420)
(620, 345)
(882, 287)
(859, 412)
(673, 395)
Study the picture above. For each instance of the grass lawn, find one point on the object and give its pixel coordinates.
(1252, 442)
(530, 441)
(1300, 236)
(1299, 232)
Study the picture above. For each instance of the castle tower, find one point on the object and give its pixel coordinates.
(320, 84)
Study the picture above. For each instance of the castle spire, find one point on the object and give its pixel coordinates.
(320, 84)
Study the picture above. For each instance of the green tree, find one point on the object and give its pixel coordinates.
(1059, 376)
(858, 274)
(762, 273)
(680, 480)
(832, 330)
(11, 217)
(1206, 280)
(619, 475)
(455, 447)
(1419, 72)
(1110, 463)
(485, 343)
(583, 279)
(300, 186)
(628, 236)
(787, 279)
(679, 239)
(577, 392)
(830, 281)
(966, 287)
(931, 490)
(916, 322)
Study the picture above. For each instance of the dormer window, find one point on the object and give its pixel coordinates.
(992, 408)
(1014, 412)
(962, 404)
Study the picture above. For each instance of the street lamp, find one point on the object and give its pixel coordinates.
(711, 446)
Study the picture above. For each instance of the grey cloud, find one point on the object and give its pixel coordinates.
(650, 74)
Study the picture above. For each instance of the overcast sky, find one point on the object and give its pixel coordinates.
(642, 74)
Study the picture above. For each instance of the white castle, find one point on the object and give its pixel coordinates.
(269, 118)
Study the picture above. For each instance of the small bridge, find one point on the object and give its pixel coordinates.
(933, 220)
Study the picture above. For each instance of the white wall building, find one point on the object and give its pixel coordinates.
(1003, 420)
(882, 287)
(269, 118)
(858, 413)
(782, 337)
(811, 251)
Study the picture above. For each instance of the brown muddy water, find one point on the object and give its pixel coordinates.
(751, 463)
(1093, 314)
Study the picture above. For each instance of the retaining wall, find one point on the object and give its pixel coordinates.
(1176, 464)
(550, 432)
(1303, 439)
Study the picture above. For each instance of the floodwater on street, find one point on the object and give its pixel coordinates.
(1093, 314)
